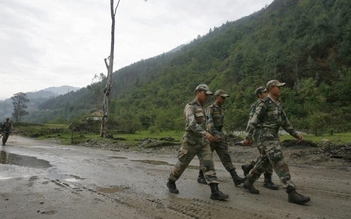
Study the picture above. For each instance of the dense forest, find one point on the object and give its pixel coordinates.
(305, 43)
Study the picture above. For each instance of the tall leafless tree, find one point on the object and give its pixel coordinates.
(109, 66)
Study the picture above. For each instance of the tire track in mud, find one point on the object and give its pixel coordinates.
(150, 207)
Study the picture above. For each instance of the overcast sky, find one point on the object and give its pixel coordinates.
(50, 43)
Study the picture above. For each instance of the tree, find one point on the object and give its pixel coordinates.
(19, 101)
(109, 66)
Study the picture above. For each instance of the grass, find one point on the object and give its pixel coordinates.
(62, 133)
(335, 138)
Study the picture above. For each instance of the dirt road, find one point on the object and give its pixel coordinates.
(45, 180)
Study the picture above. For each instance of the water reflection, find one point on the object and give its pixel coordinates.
(22, 160)
(66, 177)
(158, 162)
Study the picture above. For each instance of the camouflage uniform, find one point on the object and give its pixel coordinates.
(256, 139)
(6, 129)
(270, 116)
(215, 116)
(194, 143)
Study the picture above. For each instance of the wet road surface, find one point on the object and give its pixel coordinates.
(44, 180)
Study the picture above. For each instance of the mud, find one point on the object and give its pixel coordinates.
(86, 182)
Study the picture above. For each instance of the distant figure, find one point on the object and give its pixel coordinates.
(6, 129)
(215, 115)
(260, 93)
(271, 116)
(195, 142)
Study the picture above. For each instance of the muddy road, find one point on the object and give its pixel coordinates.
(45, 180)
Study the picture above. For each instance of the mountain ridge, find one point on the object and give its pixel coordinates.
(35, 99)
(305, 43)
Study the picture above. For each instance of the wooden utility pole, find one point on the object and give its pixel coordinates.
(109, 66)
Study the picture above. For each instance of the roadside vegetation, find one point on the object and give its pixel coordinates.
(69, 135)
(303, 43)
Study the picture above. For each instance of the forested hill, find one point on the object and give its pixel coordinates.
(306, 43)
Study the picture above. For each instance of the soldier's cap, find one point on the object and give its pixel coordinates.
(221, 93)
(260, 90)
(276, 83)
(204, 87)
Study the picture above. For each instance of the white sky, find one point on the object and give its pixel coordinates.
(50, 43)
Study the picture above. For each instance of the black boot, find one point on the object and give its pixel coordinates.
(268, 182)
(248, 184)
(172, 187)
(216, 194)
(201, 178)
(237, 179)
(246, 168)
(295, 197)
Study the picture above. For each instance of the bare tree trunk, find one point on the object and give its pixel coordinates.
(109, 66)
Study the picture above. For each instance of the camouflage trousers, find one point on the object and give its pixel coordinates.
(269, 169)
(221, 149)
(5, 136)
(191, 147)
(271, 154)
(258, 144)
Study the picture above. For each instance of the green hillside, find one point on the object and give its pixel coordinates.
(306, 43)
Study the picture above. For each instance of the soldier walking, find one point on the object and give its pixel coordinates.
(195, 142)
(215, 115)
(260, 93)
(6, 129)
(271, 116)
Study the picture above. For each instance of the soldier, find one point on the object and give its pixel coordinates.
(271, 116)
(215, 115)
(6, 128)
(261, 93)
(195, 142)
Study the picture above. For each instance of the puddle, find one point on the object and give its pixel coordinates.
(115, 157)
(45, 147)
(65, 177)
(3, 177)
(22, 160)
(111, 190)
(158, 162)
(154, 162)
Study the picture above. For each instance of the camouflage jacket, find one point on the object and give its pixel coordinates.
(270, 116)
(195, 119)
(6, 127)
(215, 116)
(252, 111)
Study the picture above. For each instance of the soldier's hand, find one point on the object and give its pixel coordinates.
(210, 137)
(299, 138)
(247, 142)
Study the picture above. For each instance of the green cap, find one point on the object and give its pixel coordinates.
(260, 90)
(272, 83)
(204, 87)
(221, 93)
